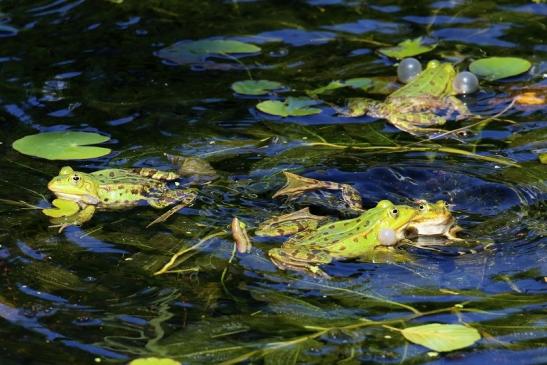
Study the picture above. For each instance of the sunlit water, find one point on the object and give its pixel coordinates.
(89, 294)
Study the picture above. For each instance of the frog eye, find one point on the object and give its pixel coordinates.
(394, 212)
(421, 207)
(75, 178)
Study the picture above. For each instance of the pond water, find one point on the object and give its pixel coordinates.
(89, 294)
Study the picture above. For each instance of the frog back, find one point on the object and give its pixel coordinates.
(435, 80)
(119, 188)
(346, 238)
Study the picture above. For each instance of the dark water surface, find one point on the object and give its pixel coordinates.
(89, 294)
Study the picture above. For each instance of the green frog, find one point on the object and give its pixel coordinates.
(412, 107)
(344, 239)
(116, 189)
(433, 220)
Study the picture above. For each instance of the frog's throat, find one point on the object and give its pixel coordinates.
(88, 199)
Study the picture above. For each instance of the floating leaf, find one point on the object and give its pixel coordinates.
(63, 208)
(154, 361)
(442, 337)
(494, 68)
(197, 51)
(290, 107)
(543, 158)
(255, 87)
(407, 48)
(62, 145)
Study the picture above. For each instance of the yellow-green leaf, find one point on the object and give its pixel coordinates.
(407, 48)
(63, 208)
(494, 68)
(290, 107)
(543, 158)
(442, 337)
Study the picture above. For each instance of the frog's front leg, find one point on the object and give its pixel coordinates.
(77, 219)
(298, 260)
(456, 105)
(362, 106)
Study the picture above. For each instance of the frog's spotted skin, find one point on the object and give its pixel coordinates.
(411, 108)
(343, 239)
(117, 189)
(301, 220)
(432, 220)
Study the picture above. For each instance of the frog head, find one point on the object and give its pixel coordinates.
(432, 219)
(394, 217)
(436, 80)
(74, 186)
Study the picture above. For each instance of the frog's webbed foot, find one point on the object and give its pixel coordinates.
(297, 185)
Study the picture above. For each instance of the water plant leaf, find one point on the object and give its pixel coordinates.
(154, 361)
(543, 158)
(407, 48)
(255, 87)
(442, 337)
(185, 52)
(62, 145)
(290, 107)
(63, 208)
(494, 68)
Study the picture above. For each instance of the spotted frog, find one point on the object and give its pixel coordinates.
(343, 239)
(412, 108)
(116, 189)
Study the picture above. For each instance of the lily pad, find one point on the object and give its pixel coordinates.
(495, 68)
(154, 361)
(197, 51)
(543, 158)
(293, 107)
(63, 208)
(442, 337)
(255, 87)
(407, 48)
(62, 145)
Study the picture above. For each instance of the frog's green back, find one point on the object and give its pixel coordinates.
(435, 80)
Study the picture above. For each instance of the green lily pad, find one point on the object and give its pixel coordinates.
(62, 145)
(255, 87)
(291, 107)
(407, 48)
(197, 51)
(495, 68)
(63, 208)
(442, 337)
(543, 158)
(154, 361)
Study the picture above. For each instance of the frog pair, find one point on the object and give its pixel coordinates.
(385, 224)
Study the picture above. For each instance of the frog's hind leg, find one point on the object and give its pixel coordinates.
(182, 197)
(416, 123)
(283, 259)
(156, 174)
